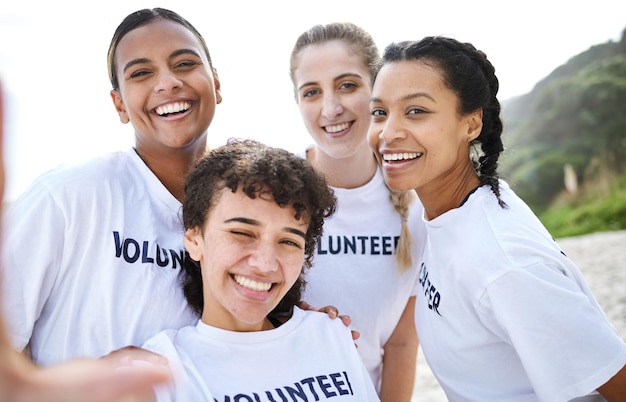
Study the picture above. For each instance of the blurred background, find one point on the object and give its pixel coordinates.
(560, 65)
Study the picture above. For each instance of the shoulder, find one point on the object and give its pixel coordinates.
(96, 173)
(163, 343)
(320, 322)
(98, 167)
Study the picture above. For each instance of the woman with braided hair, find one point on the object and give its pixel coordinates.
(366, 263)
(501, 311)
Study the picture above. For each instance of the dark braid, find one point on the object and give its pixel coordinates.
(469, 74)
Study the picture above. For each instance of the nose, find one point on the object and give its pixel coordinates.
(167, 81)
(331, 106)
(264, 257)
(391, 130)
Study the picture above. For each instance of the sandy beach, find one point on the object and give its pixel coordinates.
(602, 259)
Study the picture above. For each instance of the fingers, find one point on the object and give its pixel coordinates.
(305, 306)
(95, 381)
(330, 310)
(131, 356)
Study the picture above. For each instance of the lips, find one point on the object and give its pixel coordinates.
(335, 128)
(252, 284)
(400, 156)
(171, 108)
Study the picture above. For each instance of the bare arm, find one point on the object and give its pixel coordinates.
(400, 359)
(76, 381)
(614, 390)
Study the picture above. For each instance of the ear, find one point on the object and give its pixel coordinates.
(194, 243)
(475, 125)
(217, 84)
(119, 106)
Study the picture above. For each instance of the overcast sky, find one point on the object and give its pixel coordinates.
(53, 61)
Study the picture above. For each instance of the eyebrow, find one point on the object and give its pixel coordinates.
(339, 77)
(254, 222)
(146, 60)
(407, 97)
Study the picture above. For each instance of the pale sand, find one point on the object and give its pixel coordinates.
(602, 259)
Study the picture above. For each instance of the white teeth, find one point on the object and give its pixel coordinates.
(253, 285)
(173, 108)
(337, 128)
(401, 156)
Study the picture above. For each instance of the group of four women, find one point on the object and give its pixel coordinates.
(501, 312)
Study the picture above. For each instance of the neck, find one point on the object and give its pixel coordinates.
(353, 171)
(171, 168)
(446, 194)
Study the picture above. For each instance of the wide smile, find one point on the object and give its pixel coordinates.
(251, 284)
(173, 108)
(337, 128)
(400, 156)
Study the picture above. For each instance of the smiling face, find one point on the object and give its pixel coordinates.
(333, 90)
(251, 252)
(418, 132)
(167, 89)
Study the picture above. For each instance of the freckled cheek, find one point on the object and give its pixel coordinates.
(293, 267)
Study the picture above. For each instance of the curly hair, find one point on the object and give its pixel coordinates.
(470, 75)
(254, 168)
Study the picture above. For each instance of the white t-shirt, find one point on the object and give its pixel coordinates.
(502, 313)
(308, 358)
(91, 260)
(355, 266)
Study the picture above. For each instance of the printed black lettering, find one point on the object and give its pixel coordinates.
(334, 250)
(177, 258)
(310, 382)
(374, 244)
(436, 300)
(127, 255)
(324, 385)
(349, 243)
(336, 377)
(162, 259)
(387, 247)
(348, 382)
(433, 297)
(305, 390)
(363, 240)
(422, 274)
(282, 396)
(118, 244)
(144, 254)
(299, 392)
(353, 245)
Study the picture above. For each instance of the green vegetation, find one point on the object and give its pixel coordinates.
(574, 117)
(595, 210)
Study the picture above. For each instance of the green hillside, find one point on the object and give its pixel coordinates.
(575, 117)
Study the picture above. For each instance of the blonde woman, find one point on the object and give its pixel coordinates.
(365, 263)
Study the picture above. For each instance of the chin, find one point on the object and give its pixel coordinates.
(398, 184)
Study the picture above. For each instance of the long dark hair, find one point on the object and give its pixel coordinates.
(471, 76)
